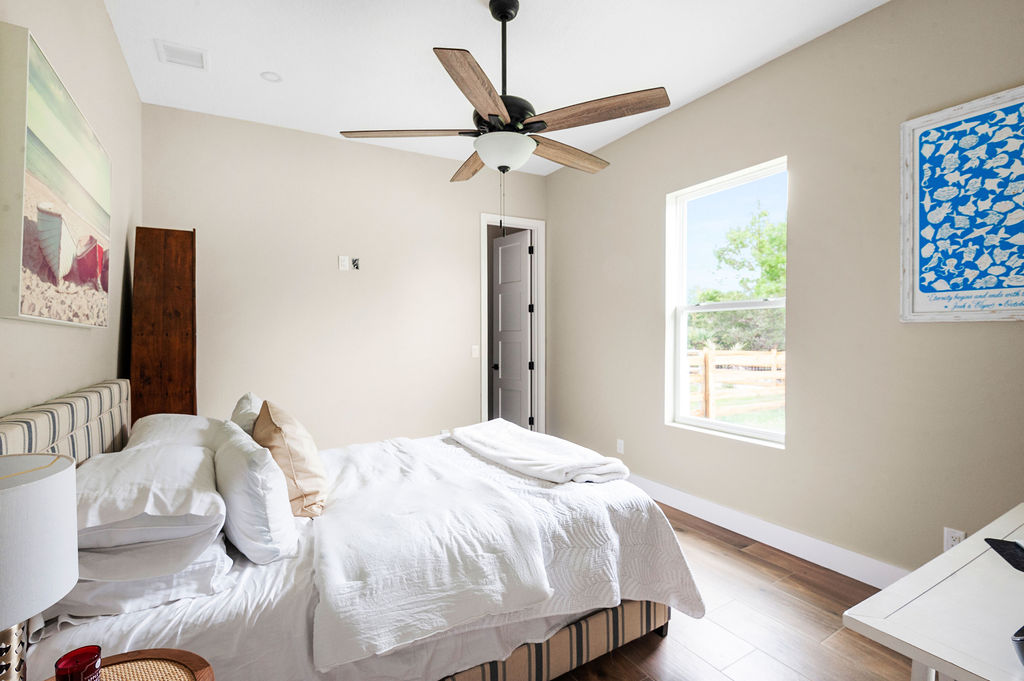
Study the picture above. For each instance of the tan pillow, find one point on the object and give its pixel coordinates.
(293, 449)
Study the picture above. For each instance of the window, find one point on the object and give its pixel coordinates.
(726, 304)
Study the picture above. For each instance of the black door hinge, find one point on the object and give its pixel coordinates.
(529, 308)
(531, 421)
(530, 250)
(530, 365)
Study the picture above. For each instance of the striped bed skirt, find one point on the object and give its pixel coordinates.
(573, 645)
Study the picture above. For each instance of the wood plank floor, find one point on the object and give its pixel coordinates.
(770, 617)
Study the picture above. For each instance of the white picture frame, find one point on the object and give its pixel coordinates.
(55, 236)
(962, 212)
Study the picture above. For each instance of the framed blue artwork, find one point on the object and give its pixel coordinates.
(962, 200)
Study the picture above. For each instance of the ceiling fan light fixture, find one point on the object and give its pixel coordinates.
(504, 151)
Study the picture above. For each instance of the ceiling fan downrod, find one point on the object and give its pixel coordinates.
(503, 11)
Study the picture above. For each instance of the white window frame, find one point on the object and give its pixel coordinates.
(676, 307)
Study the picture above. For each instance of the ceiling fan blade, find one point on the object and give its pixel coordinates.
(473, 82)
(568, 156)
(604, 109)
(468, 169)
(405, 133)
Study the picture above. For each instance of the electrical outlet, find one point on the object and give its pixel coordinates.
(620, 446)
(951, 537)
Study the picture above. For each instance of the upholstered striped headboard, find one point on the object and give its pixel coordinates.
(89, 421)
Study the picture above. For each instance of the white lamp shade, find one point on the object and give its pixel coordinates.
(38, 534)
(504, 149)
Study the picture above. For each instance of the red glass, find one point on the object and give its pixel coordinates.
(82, 664)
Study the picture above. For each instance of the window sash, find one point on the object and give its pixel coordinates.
(681, 384)
(766, 303)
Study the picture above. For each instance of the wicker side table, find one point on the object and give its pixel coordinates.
(155, 664)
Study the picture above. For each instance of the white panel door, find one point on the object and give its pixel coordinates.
(511, 333)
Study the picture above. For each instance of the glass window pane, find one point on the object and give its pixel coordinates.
(736, 367)
(736, 243)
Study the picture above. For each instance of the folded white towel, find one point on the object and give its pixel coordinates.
(538, 455)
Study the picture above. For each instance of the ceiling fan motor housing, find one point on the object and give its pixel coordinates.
(518, 110)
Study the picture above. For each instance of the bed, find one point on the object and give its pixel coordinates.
(263, 626)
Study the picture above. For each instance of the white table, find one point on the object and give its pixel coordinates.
(954, 615)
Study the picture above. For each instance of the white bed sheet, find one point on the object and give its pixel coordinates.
(262, 629)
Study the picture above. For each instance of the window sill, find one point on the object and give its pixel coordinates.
(750, 439)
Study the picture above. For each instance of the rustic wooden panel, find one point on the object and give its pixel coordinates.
(163, 345)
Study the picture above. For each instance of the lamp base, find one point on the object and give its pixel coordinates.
(13, 645)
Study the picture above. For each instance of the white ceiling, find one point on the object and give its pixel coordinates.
(368, 64)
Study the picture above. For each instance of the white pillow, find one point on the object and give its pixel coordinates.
(246, 410)
(184, 429)
(146, 512)
(208, 574)
(259, 516)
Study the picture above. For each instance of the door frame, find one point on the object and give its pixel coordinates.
(538, 381)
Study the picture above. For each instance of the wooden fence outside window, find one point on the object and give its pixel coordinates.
(728, 382)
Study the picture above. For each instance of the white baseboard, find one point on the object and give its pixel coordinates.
(845, 562)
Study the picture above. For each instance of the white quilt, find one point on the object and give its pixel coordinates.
(461, 544)
(537, 454)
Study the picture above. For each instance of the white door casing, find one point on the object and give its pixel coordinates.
(537, 230)
(511, 385)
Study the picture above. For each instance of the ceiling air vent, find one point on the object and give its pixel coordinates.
(170, 53)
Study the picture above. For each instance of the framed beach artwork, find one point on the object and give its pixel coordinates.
(55, 248)
(962, 195)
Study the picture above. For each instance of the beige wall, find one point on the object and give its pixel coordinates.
(894, 430)
(37, 360)
(356, 356)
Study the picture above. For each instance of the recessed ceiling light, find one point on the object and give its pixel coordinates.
(271, 76)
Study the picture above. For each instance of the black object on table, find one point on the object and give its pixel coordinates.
(1011, 551)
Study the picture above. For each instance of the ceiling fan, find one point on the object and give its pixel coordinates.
(505, 126)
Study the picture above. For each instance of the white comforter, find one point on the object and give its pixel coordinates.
(600, 544)
(411, 544)
(394, 505)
